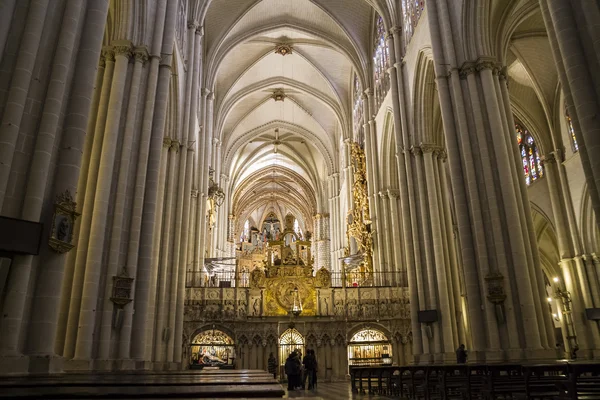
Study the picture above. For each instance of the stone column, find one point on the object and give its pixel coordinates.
(89, 185)
(85, 331)
(405, 176)
(448, 318)
(116, 237)
(474, 214)
(162, 330)
(86, 148)
(20, 272)
(17, 95)
(386, 239)
(140, 181)
(144, 273)
(397, 239)
(45, 307)
(151, 331)
(571, 32)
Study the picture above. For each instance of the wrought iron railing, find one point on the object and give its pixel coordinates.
(196, 279)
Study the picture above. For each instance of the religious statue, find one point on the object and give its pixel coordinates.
(256, 307)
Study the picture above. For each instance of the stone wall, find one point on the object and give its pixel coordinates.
(341, 312)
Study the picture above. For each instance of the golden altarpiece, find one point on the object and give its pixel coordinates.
(355, 320)
(284, 270)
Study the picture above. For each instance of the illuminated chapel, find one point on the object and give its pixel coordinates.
(190, 183)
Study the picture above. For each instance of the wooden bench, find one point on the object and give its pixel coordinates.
(213, 384)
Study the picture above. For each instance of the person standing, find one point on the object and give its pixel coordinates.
(461, 355)
(272, 365)
(310, 368)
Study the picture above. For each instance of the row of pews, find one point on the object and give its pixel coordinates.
(221, 384)
(568, 381)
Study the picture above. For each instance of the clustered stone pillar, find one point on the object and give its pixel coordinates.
(578, 277)
(504, 286)
(572, 27)
(409, 226)
(53, 163)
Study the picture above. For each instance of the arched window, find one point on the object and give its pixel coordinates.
(381, 63)
(297, 229)
(289, 341)
(369, 347)
(358, 111)
(211, 348)
(571, 132)
(411, 12)
(246, 233)
(532, 164)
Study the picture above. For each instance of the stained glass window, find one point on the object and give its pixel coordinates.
(289, 341)
(381, 63)
(571, 133)
(368, 347)
(411, 11)
(246, 232)
(532, 164)
(357, 111)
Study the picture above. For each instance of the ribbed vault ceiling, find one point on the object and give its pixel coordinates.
(279, 153)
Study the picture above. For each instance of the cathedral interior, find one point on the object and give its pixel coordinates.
(194, 183)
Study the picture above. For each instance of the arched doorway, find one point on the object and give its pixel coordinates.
(289, 341)
(369, 347)
(212, 348)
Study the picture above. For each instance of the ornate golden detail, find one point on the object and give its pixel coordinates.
(63, 222)
(359, 219)
(283, 49)
(323, 278)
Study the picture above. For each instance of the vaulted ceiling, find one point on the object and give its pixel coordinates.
(281, 117)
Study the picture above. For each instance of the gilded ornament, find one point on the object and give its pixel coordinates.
(63, 222)
(283, 49)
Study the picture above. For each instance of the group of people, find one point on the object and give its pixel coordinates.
(299, 370)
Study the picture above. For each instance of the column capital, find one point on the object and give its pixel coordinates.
(174, 145)
(192, 25)
(200, 30)
(369, 92)
(141, 54)
(549, 158)
(395, 30)
(205, 92)
(429, 147)
(123, 48)
(484, 63)
(216, 142)
(467, 69)
(194, 193)
(393, 193)
(383, 194)
(108, 53)
(416, 150)
(167, 142)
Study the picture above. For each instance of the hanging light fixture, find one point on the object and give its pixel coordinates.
(296, 304)
(214, 190)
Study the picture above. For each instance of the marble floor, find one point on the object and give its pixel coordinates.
(331, 391)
